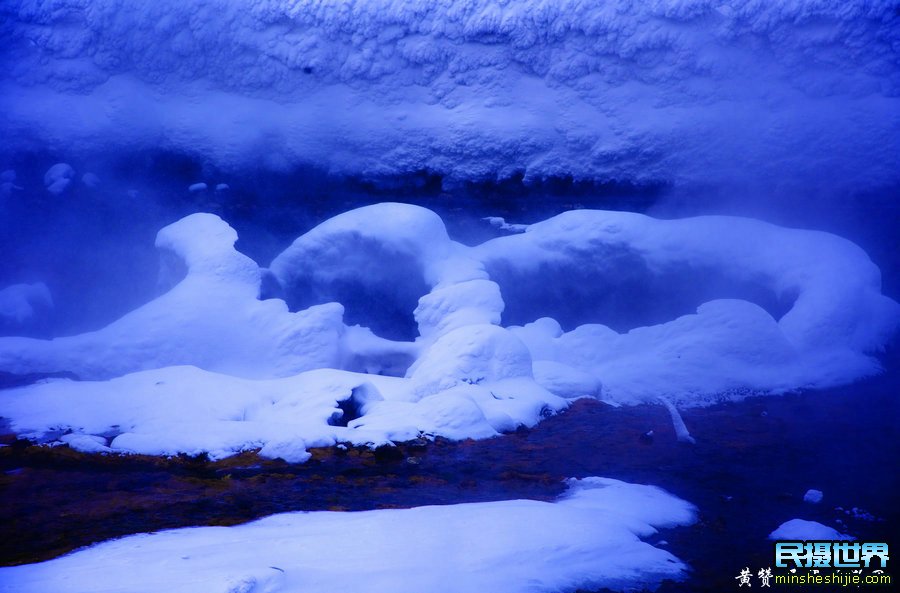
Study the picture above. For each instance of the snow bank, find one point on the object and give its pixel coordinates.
(469, 380)
(188, 410)
(608, 266)
(465, 374)
(801, 529)
(588, 539)
(704, 91)
(835, 312)
(813, 496)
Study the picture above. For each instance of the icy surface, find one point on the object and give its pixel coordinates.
(801, 529)
(705, 91)
(589, 539)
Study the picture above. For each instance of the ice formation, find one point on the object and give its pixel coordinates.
(703, 91)
(589, 538)
(247, 372)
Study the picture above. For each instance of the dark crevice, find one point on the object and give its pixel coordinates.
(349, 409)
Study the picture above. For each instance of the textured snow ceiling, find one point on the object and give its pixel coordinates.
(674, 91)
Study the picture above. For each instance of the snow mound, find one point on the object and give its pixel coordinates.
(800, 529)
(588, 539)
(669, 91)
(813, 496)
(58, 177)
(623, 265)
(804, 307)
(461, 374)
(188, 410)
(210, 318)
(373, 260)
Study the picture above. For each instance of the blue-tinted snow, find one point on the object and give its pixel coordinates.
(588, 539)
(759, 96)
(468, 373)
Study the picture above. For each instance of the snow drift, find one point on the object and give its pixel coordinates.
(210, 367)
(588, 539)
(704, 91)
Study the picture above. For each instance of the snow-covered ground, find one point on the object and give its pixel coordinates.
(589, 538)
(684, 91)
(209, 366)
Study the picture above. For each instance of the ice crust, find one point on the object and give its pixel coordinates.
(674, 91)
(210, 367)
(589, 538)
